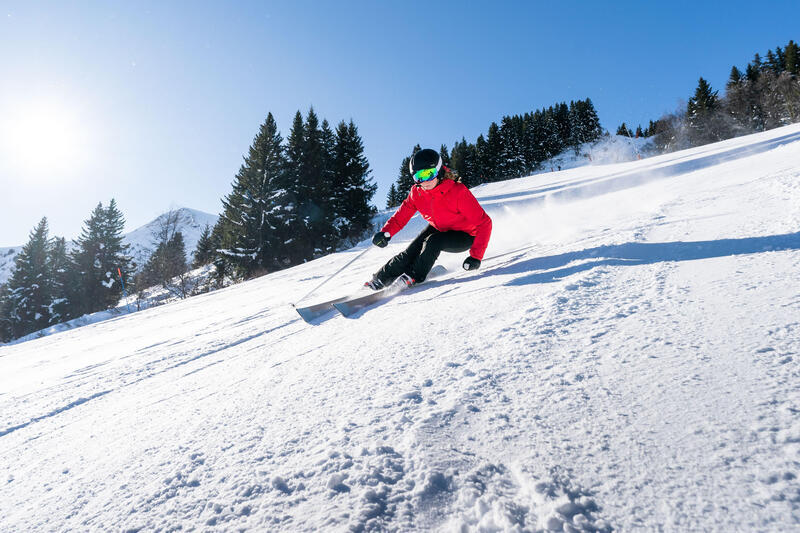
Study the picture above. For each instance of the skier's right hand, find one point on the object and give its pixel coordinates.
(381, 239)
(470, 263)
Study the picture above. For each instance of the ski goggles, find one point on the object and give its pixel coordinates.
(426, 174)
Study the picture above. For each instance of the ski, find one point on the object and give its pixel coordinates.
(349, 307)
(312, 312)
(353, 305)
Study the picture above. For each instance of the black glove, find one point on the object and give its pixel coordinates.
(470, 263)
(381, 239)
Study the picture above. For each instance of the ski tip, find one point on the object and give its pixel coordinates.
(308, 317)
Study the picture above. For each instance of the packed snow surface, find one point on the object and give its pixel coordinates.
(626, 358)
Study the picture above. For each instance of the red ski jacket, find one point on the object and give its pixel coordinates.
(447, 207)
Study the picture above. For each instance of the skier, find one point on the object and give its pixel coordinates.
(457, 223)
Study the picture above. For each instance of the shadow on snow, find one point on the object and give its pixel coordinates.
(639, 253)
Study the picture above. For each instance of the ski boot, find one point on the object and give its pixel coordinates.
(374, 284)
(405, 281)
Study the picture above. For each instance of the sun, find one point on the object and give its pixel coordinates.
(43, 139)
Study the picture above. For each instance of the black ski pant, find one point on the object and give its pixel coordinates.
(418, 259)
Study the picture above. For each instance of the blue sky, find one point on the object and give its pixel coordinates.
(156, 102)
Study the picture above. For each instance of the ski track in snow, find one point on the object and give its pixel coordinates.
(632, 364)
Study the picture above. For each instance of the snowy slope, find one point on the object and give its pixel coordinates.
(626, 358)
(192, 223)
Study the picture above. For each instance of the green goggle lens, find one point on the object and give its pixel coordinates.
(425, 174)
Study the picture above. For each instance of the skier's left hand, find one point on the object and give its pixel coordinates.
(381, 239)
(470, 263)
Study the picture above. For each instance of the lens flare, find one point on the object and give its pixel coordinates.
(43, 140)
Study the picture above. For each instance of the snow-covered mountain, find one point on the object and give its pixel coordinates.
(191, 223)
(7, 257)
(626, 358)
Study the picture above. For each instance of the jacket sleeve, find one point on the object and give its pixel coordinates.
(474, 213)
(401, 216)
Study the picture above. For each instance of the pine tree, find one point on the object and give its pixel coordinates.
(271, 213)
(534, 141)
(328, 140)
(624, 130)
(481, 161)
(700, 114)
(30, 286)
(150, 276)
(772, 62)
(780, 57)
(469, 158)
(792, 59)
(59, 268)
(116, 255)
(561, 118)
(5, 314)
(86, 265)
(204, 253)
(316, 175)
(775, 99)
(328, 233)
(391, 199)
(257, 216)
(223, 266)
(741, 102)
(492, 154)
(353, 188)
(584, 123)
(167, 267)
(751, 73)
(99, 253)
(445, 155)
(552, 141)
(176, 254)
(787, 88)
(405, 180)
(510, 163)
(302, 213)
(528, 143)
(765, 96)
(735, 77)
(463, 160)
(167, 262)
(757, 64)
